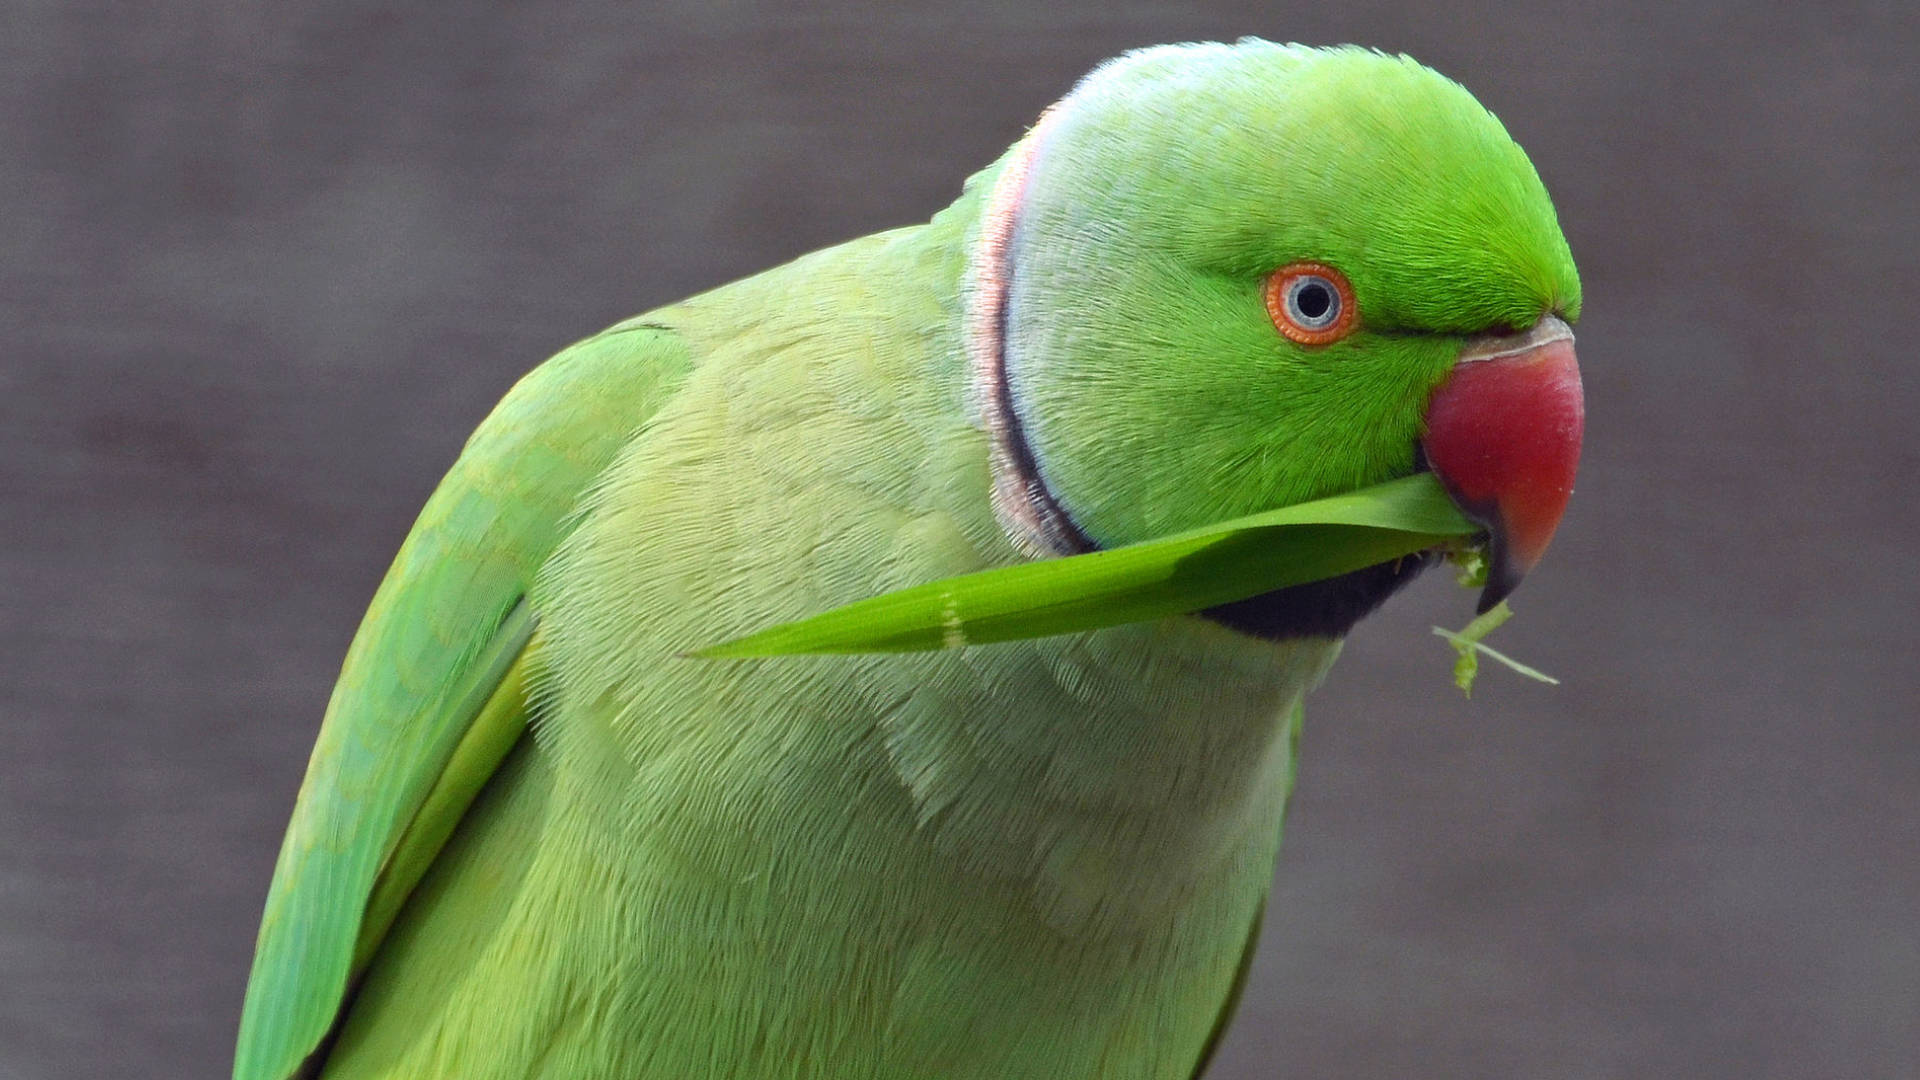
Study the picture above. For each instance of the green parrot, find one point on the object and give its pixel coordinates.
(537, 839)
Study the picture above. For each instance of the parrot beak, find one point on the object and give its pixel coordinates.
(1503, 436)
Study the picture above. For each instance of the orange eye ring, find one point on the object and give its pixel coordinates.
(1311, 303)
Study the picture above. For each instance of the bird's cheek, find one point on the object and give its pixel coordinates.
(1503, 435)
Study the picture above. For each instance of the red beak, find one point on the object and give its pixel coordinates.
(1503, 435)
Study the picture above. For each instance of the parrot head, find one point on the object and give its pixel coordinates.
(1216, 279)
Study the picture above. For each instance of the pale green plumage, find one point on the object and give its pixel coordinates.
(396, 714)
(1035, 859)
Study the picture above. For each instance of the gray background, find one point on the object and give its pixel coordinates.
(262, 266)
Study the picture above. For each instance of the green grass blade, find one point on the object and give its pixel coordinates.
(1469, 644)
(1218, 564)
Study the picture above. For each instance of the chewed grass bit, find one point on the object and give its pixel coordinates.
(1469, 559)
(1468, 644)
(953, 628)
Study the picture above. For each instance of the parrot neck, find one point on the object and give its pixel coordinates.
(1111, 779)
(1027, 510)
(1102, 783)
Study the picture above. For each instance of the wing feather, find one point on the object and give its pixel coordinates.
(429, 698)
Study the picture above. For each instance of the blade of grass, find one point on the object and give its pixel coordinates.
(1174, 575)
(1467, 642)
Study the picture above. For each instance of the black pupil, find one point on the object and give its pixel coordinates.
(1313, 299)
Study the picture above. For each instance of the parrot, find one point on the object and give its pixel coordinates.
(538, 838)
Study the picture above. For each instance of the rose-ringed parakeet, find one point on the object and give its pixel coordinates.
(536, 839)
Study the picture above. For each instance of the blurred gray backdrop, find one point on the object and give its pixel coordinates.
(262, 267)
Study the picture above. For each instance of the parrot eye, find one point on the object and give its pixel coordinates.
(1311, 303)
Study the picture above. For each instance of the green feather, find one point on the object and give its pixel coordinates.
(496, 699)
(419, 671)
